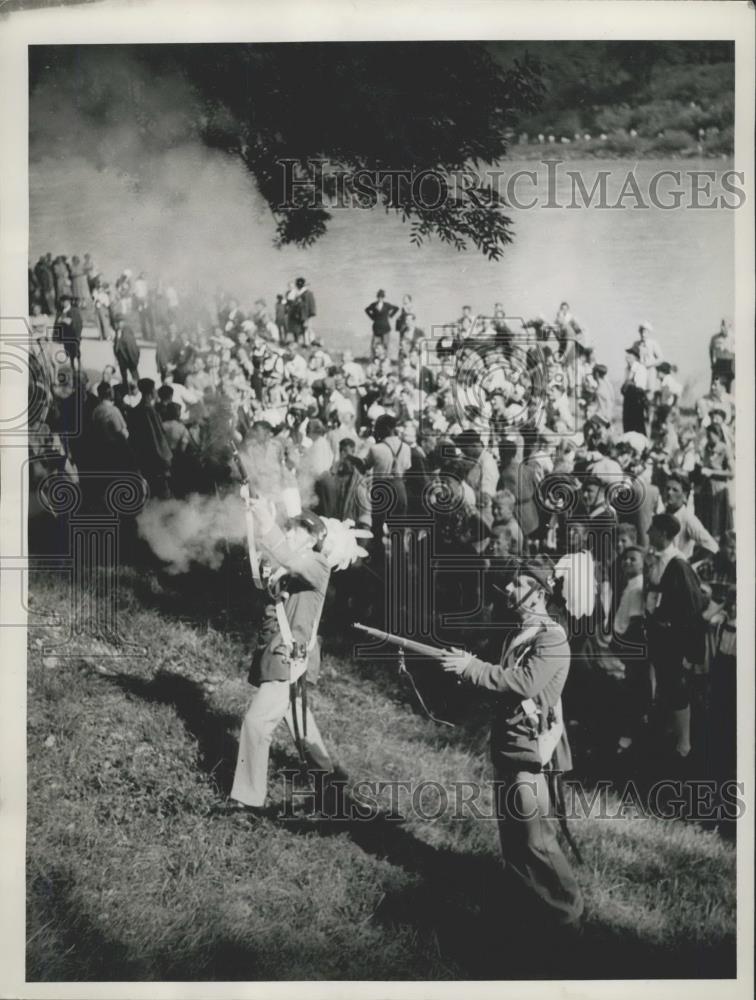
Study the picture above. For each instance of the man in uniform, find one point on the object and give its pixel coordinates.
(287, 636)
(528, 739)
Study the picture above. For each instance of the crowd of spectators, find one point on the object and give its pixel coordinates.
(470, 448)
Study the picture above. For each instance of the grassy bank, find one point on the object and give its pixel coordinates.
(131, 876)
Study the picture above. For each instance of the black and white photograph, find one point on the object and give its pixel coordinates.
(377, 445)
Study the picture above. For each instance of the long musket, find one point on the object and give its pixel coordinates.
(407, 645)
(247, 495)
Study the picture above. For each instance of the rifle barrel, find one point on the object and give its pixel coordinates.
(410, 645)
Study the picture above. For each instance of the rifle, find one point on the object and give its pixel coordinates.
(247, 495)
(404, 645)
(410, 646)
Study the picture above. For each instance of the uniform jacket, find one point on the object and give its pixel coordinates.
(308, 573)
(534, 664)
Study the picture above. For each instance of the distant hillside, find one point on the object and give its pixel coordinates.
(628, 97)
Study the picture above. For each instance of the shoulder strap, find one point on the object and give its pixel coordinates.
(394, 454)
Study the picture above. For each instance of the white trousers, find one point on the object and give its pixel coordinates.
(271, 704)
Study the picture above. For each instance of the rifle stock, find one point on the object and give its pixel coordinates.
(408, 645)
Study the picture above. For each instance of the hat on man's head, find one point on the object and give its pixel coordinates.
(310, 521)
(598, 420)
(538, 569)
(664, 367)
(600, 371)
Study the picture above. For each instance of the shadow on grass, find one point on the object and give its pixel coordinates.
(216, 745)
(463, 903)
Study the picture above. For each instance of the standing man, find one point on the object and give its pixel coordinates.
(46, 279)
(691, 533)
(144, 307)
(649, 352)
(722, 355)
(306, 310)
(528, 737)
(381, 313)
(153, 453)
(674, 628)
(604, 394)
(68, 327)
(126, 351)
(286, 638)
(635, 400)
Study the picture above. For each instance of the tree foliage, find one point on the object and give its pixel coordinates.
(438, 106)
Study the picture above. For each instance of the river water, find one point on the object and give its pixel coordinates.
(203, 221)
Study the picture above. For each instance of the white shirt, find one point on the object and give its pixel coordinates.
(669, 386)
(630, 605)
(562, 410)
(296, 368)
(489, 473)
(184, 397)
(692, 533)
(352, 369)
(318, 457)
(650, 352)
(579, 588)
(638, 375)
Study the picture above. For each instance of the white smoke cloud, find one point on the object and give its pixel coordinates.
(197, 530)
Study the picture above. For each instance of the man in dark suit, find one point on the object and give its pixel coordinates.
(306, 299)
(381, 313)
(68, 327)
(674, 628)
(148, 440)
(43, 271)
(126, 351)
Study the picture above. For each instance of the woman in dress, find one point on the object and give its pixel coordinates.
(80, 283)
(62, 276)
(713, 506)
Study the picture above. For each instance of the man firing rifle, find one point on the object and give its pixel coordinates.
(528, 745)
(300, 574)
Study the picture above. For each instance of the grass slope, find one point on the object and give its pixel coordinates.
(130, 876)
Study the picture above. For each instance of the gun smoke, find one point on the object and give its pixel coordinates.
(137, 191)
(196, 531)
(200, 529)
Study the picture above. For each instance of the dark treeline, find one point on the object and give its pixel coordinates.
(613, 87)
